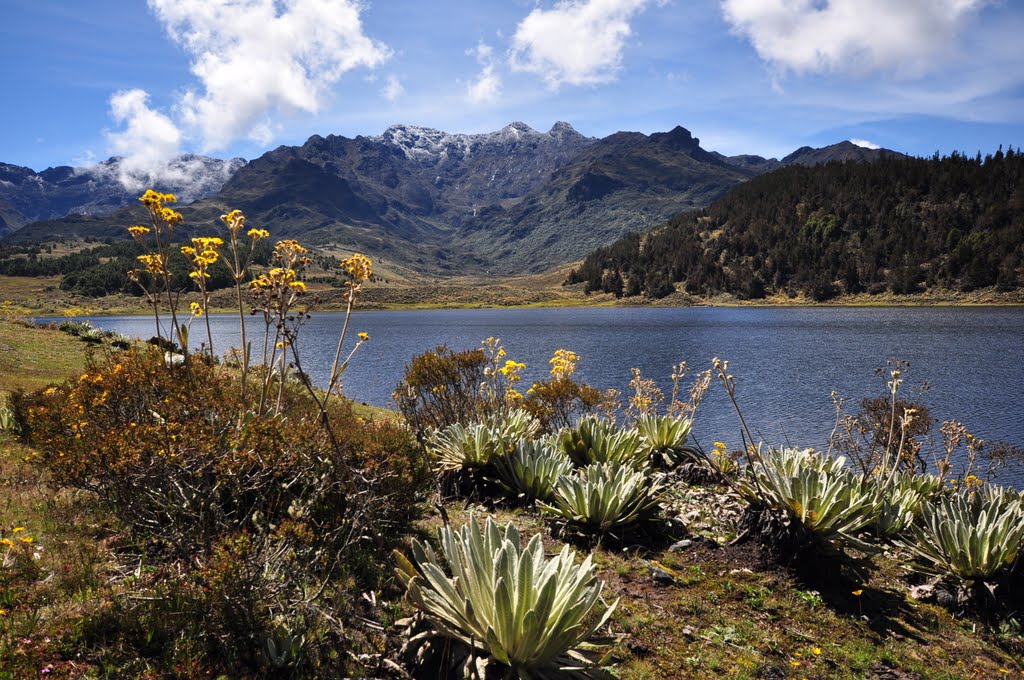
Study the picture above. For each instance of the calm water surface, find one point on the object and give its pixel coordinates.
(786, 360)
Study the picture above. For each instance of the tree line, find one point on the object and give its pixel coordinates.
(100, 270)
(898, 224)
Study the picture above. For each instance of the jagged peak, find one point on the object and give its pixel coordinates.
(562, 129)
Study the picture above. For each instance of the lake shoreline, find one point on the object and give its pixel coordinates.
(381, 300)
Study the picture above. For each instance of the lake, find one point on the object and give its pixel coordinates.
(786, 361)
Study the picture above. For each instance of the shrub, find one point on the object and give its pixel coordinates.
(604, 496)
(529, 613)
(595, 440)
(442, 387)
(532, 470)
(172, 451)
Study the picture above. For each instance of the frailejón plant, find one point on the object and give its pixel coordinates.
(530, 613)
(603, 496)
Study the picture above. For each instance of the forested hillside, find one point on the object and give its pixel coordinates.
(898, 224)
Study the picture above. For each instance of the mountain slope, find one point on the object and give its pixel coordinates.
(899, 224)
(504, 202)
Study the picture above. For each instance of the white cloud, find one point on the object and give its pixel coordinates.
(576, 42)
(486, 87)
(865, 143)
(147, 140)
(256, 58)
(857, 36)
(393, 88)
(150, 144)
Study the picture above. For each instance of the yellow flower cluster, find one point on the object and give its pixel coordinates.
(171, 217)
(155, 201)
(511, 370)
(23, 539)
(718, 449)
(138, 231)
(359, 267)
(153, 262)
(278, 277)
(289, 247)
(563, 363)
(234, 219)
(197, 309)
(257, 234)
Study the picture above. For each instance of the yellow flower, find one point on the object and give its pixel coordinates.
(363, 337)
(298, 285)
(197, 309)
(794, 662)
(171, 217)
(138, 231)
(563, 363)
(858, 592)
(154, 264)
(816, 651)
(18, 530)
(6, 541)
(257, 234)
(25, 539)
(234, 219)
(359, 267)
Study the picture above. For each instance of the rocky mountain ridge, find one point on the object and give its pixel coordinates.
(507, 201)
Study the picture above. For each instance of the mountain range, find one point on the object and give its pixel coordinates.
(514, 200)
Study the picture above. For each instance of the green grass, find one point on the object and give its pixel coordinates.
(32, 357)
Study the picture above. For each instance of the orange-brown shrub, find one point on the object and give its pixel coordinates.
(175, 454)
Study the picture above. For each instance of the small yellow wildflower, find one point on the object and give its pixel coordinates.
(563, 363)
(25, 539)
(154, 263)
(18, 530)
(197, 309)
(858, 592)
(234, 219)
(816, 651)
(6, 541)
(257, 234)
(794, 663)
(359, 267)
(298, 285)
(138, 231)
(363, 337)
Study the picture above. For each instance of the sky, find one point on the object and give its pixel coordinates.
(83, 81)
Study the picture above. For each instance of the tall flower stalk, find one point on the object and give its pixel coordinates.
(155, 260)
(359, 269)
(202, 254)
(238, 266)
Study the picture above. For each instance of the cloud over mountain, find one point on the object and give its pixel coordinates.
(254, 60)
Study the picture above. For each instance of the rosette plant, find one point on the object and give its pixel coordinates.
(595, 440)
(969, 537)
(815, 495)
(532, 470)
(537, 616)
(603, 496)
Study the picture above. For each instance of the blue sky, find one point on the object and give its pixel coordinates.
(86, 80)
